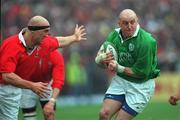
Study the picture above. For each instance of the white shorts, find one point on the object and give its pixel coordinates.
(9, 102)
(137, 95)
(30, 99)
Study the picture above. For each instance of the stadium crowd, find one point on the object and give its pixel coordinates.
(158, 17)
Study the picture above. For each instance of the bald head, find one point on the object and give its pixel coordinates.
(38, 21)
(128, 22)
(127, 14)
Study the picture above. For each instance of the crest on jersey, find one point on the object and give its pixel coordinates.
(131, 47)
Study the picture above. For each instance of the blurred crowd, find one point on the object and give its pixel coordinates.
(160, 17)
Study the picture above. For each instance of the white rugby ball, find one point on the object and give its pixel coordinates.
(109, 47)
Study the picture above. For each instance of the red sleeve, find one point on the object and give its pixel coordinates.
(50, 42)
(58, 71)
(8, 57)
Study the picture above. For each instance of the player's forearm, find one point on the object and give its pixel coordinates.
(56, 92)
(13, 79)
(116, 67)
(65, 41)
(126, 70)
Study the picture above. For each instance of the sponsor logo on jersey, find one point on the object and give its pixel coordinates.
(125, 57)
(131, 47)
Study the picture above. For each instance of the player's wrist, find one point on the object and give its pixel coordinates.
(120, 68)
(74, 37)
(52, 100)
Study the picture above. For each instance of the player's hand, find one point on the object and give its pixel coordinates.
(49, 110)
(173, 100)
(105, 58)
(79, 33)
(109, 57)
(113, 66)
(41, 89)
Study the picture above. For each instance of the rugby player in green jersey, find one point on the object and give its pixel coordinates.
(136, 67)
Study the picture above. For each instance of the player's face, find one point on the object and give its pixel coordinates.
(128, 26)
(39, 35)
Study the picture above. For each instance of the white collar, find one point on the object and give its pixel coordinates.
(134, 35)
(21, 38)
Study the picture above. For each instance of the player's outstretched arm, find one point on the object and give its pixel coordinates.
(79, 35)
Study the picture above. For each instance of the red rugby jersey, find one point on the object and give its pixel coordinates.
(51, 68)
(15, 58)
(58, 71)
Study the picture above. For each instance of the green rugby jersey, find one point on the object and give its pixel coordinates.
(138, 53)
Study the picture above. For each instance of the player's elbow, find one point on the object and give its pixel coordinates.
(58, 85)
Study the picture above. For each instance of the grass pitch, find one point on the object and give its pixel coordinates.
(156, 110)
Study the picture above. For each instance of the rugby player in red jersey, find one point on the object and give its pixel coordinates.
(51, 71)
(19, 56)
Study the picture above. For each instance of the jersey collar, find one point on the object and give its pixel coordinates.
(134, 35)
(21, 38)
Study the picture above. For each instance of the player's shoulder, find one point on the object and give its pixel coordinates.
(113, 36)
(108, 43)
(48, 39)
(49, 42)
(146, 37)
(113, 32)
(11, 41)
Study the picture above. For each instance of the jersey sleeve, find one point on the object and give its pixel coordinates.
(145, 60)
(50, 42)
(111, 36)
(8, 57)
(58, 71)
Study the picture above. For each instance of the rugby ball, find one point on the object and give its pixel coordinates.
(109, 47)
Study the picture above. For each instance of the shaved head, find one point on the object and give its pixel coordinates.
(38, 21)
(38, 28)
(128, 14)
(128, 22)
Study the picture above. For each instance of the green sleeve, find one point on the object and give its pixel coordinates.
(145, 59)
(111, 36)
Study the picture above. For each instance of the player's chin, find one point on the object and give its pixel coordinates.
(129, 33)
